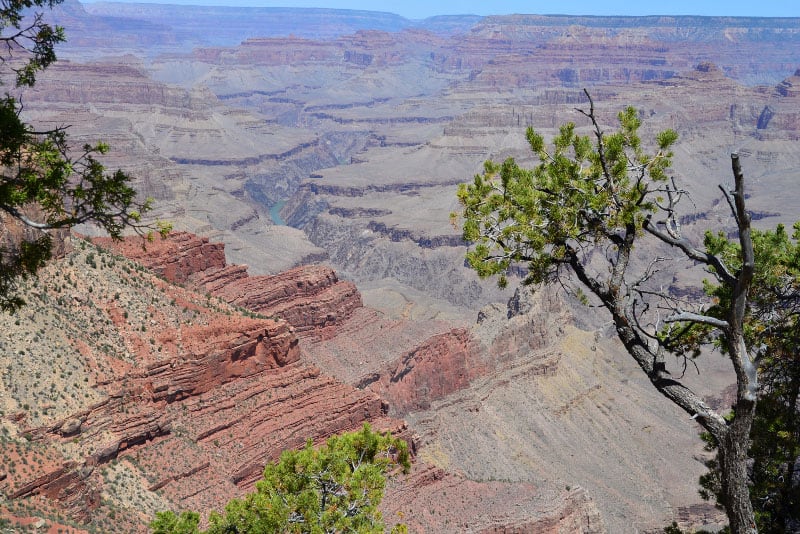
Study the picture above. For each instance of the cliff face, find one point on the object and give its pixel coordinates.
(196, 397)
(549, 413)
(168, 398)
(441, 365)
(308, 297)
(177, 259)
(415, 374)
(364, 134)
(182, 411)
(140, 407)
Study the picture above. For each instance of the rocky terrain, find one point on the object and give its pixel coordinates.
(356, 133)
(454, 383)
(161, 396)
(330, 288)
(138, 362)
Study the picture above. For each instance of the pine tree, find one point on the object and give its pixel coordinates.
(45, 186)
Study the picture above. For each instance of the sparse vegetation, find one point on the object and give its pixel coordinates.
(57, 371)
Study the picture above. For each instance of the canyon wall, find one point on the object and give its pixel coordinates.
(182, 398)
(358, 142)
(188, 418)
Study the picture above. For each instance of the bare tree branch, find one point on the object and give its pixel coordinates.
(691, 251)
(697, 318)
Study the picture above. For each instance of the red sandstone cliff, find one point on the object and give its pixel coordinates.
(308, 297)
(229, 428)
(195, 412)
(441, 365)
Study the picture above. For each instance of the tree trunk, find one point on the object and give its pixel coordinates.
(732, 448)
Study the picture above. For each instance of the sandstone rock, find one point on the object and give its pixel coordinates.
(176, 258)
(70, 427)
(205, 392)
(441, 365)
(222, 395)
(309, 297)
(369, 344)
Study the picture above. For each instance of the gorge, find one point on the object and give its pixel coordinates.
(308, 160)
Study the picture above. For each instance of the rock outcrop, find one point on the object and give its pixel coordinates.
(310, 298)
(423, 501)
(549, 413)
(193, 414)
(177, 258)
(441, 365)
(220, 423)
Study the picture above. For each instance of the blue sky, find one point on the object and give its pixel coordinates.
(426, 8)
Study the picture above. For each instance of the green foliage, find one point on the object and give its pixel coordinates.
(773, 327)
(578, 217)
(772, 298)
(29, 37)
(580, 193)
(334, 488)
(170, 523)
(43, 185)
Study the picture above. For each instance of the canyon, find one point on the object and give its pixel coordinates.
(206, 392)
(308, 160)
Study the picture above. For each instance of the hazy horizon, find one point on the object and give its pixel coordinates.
(419, 9)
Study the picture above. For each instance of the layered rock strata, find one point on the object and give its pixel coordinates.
(441, 365)
(185, 420)
(421, 501)
(308, 297)
(413, 374)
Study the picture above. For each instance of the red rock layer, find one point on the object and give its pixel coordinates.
(433, 500)
(228, 434)
(200, 424)
(441, 365)
(308, 297)
(200, 416)
(201, 448)
(138, 408)
(176, 258)
(201, 428)
(448, 362)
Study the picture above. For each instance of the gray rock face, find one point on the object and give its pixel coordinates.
(521, 302)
